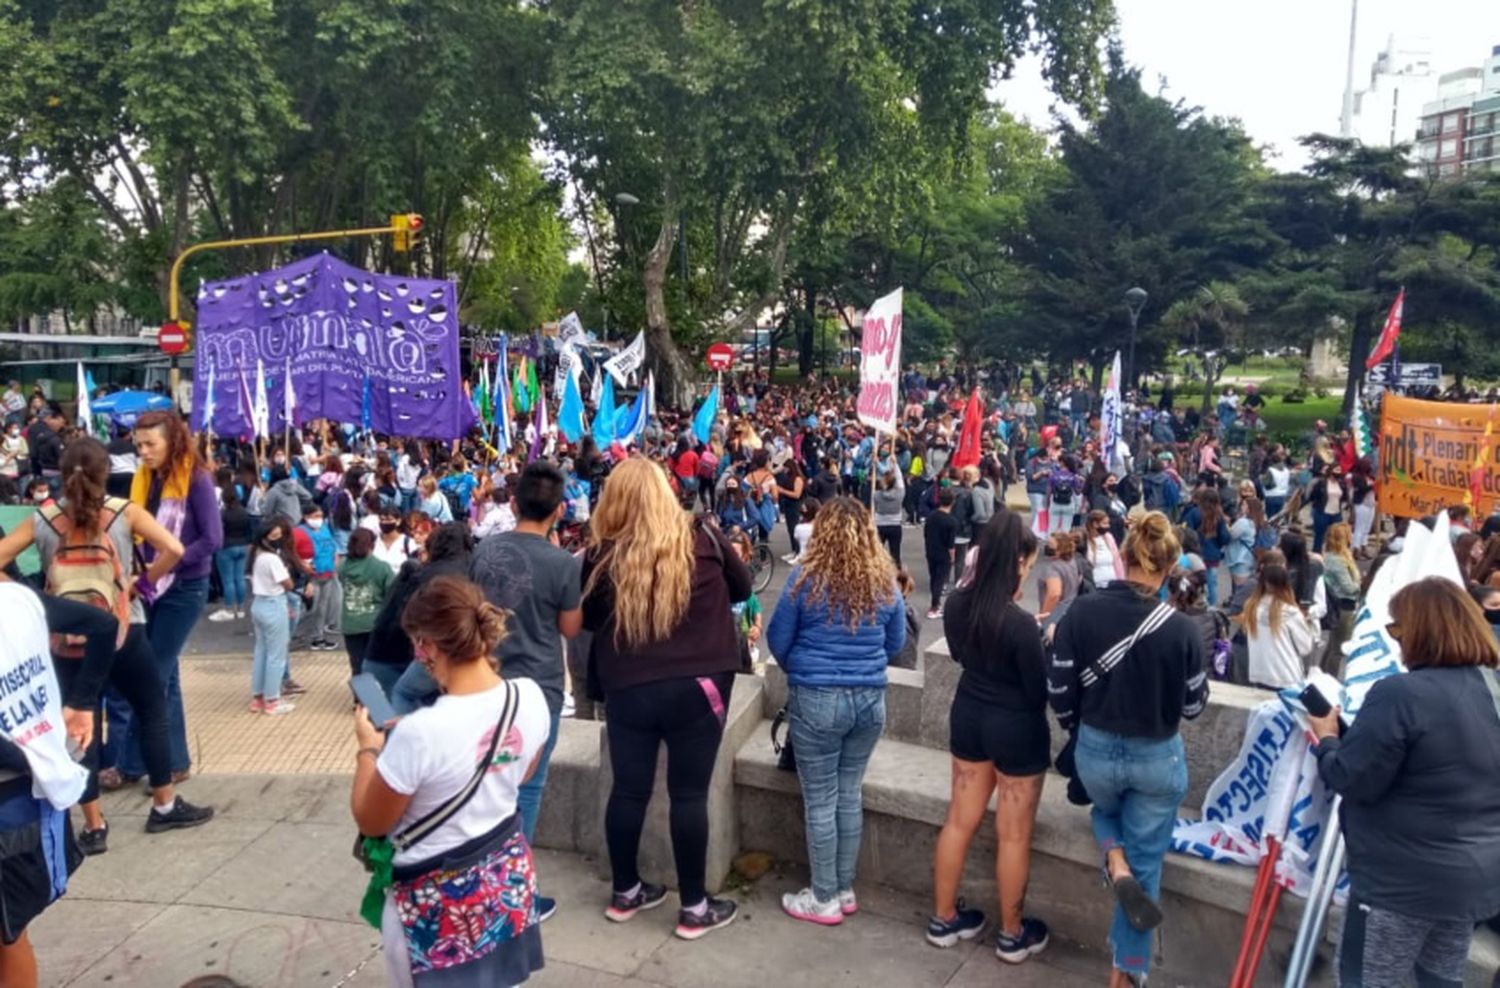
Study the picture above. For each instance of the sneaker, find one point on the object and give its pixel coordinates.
(257, 705)
(623, 907)
(546, 908)
(290, 687)
(569, 707)
(806, 906)
(277, 707)
(848, 904)
(719, 914)
(934, 613)
(93, 842)
(221, 615)
(966, 924)
(1032, 940)
(790, 557)
(181, 816)
(324, 646)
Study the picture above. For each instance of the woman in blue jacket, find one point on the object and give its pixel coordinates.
(1206, 517)
(838, 622)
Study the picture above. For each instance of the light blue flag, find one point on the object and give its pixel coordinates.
(605, 414)
(570, 412)
(703, 422)
(501, 398)
(208, 401)
(629, 425)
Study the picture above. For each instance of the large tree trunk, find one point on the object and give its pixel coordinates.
(1211, 368)
(1359, 351)
(807, 332)
(673, 376)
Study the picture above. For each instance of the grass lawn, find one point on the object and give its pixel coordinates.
(1299, 418)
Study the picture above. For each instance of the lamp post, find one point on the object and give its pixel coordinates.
(1135, 301)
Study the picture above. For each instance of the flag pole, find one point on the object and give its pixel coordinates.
(875, 469)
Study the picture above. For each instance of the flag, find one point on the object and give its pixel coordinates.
(1359, 426)
(623, 365)
(650, 395)
(247, 404)
(967, 453)
(503, 411)
(1389, 334)
(533, 389)
(483, 403)
(365, 411)
(1109, 419)
(605, 412)
(708, 412)
(570, 420)
(260, 415)
(596, 389)
(520, 396)
(208, 402)
(85, 405)
(629, 426)
(539, 441)
(289, 397)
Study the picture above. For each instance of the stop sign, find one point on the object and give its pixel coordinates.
(172, 339)
(721, 356)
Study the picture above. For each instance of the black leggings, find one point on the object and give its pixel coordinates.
(135, 675)
(791, 511)
(890, 536)
(637, 720)
(356, 645)
(937, 575)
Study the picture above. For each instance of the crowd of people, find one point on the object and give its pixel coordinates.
(490, 595)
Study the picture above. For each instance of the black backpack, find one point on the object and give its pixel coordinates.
(1129, 490)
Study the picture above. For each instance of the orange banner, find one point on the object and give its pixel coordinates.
(1435, 454)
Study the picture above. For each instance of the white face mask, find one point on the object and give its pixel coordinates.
(40, 496)
(314, 523)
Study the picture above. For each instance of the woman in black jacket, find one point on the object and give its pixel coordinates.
(1419, 772)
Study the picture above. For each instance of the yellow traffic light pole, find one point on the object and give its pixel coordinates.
(401, 226)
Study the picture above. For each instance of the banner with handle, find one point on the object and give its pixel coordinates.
(880, 364)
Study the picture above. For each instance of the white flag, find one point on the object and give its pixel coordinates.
(568, 363)
(1110, 432)
(596, 390)
(290, 400)
(260, 416)
(623, 365)
(85, 405)
(570, 330)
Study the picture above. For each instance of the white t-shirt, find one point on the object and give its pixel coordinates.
(1281, 481)
(371, 523)
(268, 574)
(31, 701)
(1104, 562)
(432, 753)
(395, 554)
(1279, 660)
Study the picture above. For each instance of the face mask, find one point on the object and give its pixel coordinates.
(274, 543)
(279, 461)
(314, 523)
(1492, 614)
(40, 496)
(389, 526)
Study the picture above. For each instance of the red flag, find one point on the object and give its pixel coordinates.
(1387, 343)
(967, 453)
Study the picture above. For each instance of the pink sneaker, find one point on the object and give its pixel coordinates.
(805, 906)
(257, 705)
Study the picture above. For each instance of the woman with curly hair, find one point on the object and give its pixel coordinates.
(839, 621)
(657, 590)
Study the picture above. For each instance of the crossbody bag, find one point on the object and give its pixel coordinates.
(378, 853)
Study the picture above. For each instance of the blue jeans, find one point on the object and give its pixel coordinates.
(529, 798)
(272, 636)
(1322, 522)
(171, 621)
(414, 689)
(834, 730)
(1137, 784)
(230, 562)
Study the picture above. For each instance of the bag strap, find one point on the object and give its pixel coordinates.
(424, 827)
(1112, 657)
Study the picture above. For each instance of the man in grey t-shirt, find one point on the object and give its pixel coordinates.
(537, 585)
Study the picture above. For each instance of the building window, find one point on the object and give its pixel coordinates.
(1450, 123)
(1448, 148)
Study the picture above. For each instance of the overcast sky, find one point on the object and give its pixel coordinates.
(1277, 65)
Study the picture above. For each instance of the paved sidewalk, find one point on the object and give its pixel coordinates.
(268, 894)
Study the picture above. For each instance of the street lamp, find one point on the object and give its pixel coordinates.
(1135, 301)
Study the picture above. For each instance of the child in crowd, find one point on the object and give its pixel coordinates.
(39, 492)
(940, 535)
(270, 579)
(364, 580)
(907, 657)
(747, 614)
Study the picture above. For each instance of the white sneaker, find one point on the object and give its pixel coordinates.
(221, 615)
(848, 904)
(569, 708)
(805, 906)
(274, 707)
(790, 557)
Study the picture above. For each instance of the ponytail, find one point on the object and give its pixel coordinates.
(1151, 547)
(85, 470)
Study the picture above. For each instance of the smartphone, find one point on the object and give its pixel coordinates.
(1314, 701)
(368, 693)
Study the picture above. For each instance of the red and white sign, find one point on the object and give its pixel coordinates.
(172, 339)
(721, 356)
(880, 364)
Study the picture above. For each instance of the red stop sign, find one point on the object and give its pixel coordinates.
(721, 356)
(172, 339)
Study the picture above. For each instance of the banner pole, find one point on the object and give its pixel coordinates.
(875, 465)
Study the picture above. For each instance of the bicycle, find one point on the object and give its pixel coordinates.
(762, 566)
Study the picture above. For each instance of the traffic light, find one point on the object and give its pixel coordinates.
(404, 227)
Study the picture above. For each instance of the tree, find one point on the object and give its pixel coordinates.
(1214, 316)
(739, 123)
(1151, 194)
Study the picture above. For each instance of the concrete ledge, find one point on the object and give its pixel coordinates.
(568, 820)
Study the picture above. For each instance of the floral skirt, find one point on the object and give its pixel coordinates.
(472, 918)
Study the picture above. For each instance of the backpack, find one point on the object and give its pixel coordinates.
(88, 571)
(708, 465)
(1171, 493)
(1063, 493)
(1129, 490)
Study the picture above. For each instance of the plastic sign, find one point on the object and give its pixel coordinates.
(721, 356)
(172, 338)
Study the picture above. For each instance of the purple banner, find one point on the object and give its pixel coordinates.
(336, 326)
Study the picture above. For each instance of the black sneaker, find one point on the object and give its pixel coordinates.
(92, 842)
(290, 687)
(182, 815)
(623, 907)
(966, 924)
(719, 914)
(1031, 941)
(546, 907)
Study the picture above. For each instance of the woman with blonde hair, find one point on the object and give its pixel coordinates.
(1126, 670)
(657, 590)
(838, 623)
(1341, 580)
(1278, 634)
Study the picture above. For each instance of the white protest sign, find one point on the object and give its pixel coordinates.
(568, 363)
(31, 702)
(570, 330)
(880, 364)
(623, 365)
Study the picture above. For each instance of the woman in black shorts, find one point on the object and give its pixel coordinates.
(998, 737)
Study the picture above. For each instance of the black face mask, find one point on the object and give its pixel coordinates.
(1492, 614)
(389, 526)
